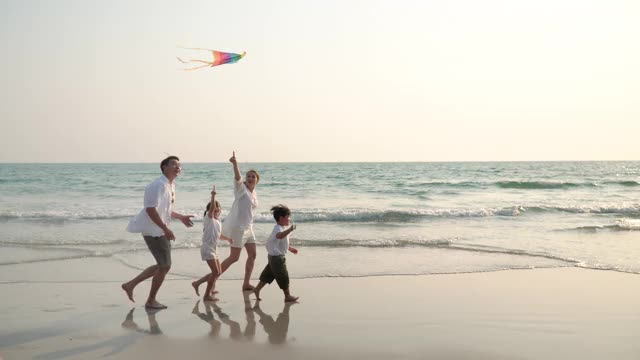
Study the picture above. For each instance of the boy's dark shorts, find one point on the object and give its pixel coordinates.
(276, 269)
(160, 248)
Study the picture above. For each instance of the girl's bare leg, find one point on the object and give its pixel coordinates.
(196, 284)
(219, 268)
(215, 272)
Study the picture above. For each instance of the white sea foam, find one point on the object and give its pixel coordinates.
(628, 224)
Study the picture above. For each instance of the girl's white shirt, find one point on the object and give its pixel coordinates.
(210, 235)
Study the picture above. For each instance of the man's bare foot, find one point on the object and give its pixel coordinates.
(129, 290)
(257, 292)
(248, 287)
(210, 298)
(291, 299)
(195, 287)
(154, 305)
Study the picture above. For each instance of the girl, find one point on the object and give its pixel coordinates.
(208, 250)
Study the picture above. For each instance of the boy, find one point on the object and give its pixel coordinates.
(277, 246)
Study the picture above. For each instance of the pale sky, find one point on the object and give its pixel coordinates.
(331, 80)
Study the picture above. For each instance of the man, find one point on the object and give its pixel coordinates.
(153, 222)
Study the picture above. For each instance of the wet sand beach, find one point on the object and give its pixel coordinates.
(563, 313)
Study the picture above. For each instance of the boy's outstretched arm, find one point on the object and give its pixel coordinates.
(293, 250)
(283, 234)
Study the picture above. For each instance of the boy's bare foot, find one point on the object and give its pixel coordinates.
(248, 287)
(257, 292)
(195, 287)
(214, 292)
(210, 298)
(129, 290)
(154, 305)
(291, 299)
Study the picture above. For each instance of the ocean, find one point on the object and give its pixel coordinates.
(353, 219)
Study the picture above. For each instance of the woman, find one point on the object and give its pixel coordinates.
(238, 225)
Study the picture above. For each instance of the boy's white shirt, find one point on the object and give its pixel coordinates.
(275, 246)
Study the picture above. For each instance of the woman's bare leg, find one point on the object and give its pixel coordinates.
(248, 268)
(234, 255)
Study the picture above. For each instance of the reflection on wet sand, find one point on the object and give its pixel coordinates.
(235, 331)
(208, 318)
(116, 345)
(276, 330)
(154, 327)
(250, 329)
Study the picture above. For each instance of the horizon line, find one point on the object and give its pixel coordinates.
(315, 162)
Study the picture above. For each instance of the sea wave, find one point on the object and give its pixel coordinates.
(620, 225)
(380, 243)
(542, 185)
(60, 216)
(453, 184)
(626, 209)
(53, 254)
(505, 251)
(410, 188)
(366, 215)
(550, 185)
(316, 215)
(55, 242)
(624, 183)
(344, 215)
(440, 244)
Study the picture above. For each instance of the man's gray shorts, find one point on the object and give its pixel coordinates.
(160, 249)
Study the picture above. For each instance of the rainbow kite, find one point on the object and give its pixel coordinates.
(219, 58)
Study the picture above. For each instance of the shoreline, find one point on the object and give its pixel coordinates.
(555, 313)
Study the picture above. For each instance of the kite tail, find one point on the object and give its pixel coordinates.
(195, 68)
